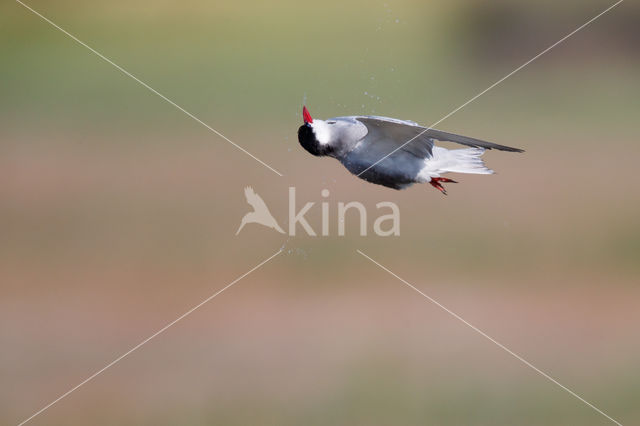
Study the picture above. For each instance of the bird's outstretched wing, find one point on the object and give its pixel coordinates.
(254, 199)
(386, 135)
(464, 140)
(396, 133)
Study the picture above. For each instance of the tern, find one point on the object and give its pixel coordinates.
(391, 152)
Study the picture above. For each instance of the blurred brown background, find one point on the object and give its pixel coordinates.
(118, 214)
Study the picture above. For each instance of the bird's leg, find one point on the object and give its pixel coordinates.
(436, 183)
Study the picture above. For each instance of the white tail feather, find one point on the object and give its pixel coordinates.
(466, 160)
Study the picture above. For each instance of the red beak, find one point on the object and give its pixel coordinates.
(306, 116)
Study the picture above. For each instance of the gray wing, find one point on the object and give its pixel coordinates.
(400, 132)
(387, 135)
(464, 140)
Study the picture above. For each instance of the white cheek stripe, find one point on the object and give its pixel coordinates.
(322, 131)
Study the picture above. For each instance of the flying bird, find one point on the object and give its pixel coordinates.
(260, 213)
(393, 153)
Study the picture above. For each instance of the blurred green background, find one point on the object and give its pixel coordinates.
(118, 213)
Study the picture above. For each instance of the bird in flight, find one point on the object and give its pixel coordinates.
(393, 153)
(260, 213)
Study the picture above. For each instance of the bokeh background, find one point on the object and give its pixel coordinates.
(118, 213)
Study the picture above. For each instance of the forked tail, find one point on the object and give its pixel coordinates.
(468, 160)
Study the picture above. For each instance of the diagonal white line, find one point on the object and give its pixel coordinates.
(500, 345)
(163, 329)
(145, 85)
(495, 84)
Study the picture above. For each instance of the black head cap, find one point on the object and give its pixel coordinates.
(308, 141)
(307, 137)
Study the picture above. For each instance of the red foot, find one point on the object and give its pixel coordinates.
(435, 182)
